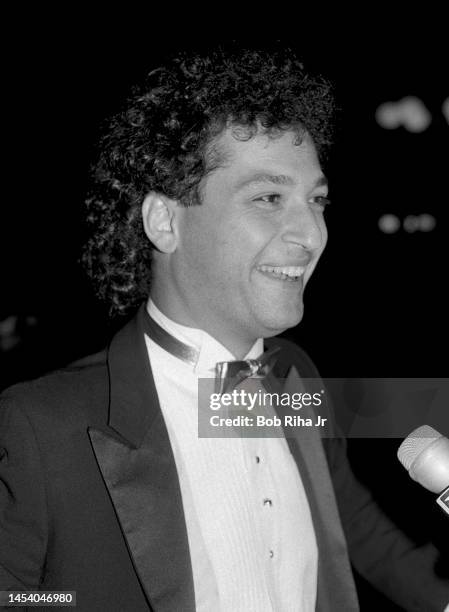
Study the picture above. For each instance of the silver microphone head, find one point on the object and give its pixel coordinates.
(425, 454)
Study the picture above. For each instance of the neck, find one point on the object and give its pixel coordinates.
(237, 346)
(238, 349)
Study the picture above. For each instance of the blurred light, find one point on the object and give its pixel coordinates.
(421, 223)
(411, 224)
(427, 223)
(9, 338)
(409, 112)
(14, 330)
(445, 109)
(389, 224)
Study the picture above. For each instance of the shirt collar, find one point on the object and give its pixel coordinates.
(210, 350)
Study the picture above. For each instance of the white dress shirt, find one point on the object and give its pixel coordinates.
(250, 532)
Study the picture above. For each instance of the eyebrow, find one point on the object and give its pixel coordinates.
(276, 179)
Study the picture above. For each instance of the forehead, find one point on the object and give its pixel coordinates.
(280, 154)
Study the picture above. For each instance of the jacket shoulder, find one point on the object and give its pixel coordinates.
(78, 387)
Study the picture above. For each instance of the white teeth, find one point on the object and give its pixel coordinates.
(283, 271)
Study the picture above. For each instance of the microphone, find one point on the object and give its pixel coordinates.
(425, 454)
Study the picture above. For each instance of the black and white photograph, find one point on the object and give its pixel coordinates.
(223, 317)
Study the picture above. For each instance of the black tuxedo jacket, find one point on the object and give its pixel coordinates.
(90, 498)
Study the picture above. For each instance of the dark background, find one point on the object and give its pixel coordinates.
(377, 304)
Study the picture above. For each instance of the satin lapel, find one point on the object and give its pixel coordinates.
(136, 460)
(336, 589)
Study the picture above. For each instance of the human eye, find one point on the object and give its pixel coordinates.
(269, 198)
(321, 202)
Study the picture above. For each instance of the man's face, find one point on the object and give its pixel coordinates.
(246, 253)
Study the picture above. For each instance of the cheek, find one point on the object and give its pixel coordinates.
(209, 260)
(250, 237)
(322, 229)
(197, 239)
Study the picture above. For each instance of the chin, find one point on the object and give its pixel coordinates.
(277, 325)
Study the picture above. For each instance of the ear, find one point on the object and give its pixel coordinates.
(158, 214)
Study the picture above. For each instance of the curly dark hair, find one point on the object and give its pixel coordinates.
(163, 141)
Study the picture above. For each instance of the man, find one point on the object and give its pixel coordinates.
(212, 173)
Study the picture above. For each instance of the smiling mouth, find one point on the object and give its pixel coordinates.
(285, 273)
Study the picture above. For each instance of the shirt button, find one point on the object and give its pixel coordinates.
(271, 554)
(267, 502)
(257, 459)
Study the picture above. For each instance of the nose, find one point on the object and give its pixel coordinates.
(306, 228)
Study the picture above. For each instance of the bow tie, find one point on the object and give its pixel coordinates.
(228, 374)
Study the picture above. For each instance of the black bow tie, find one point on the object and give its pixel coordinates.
(228, 374)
